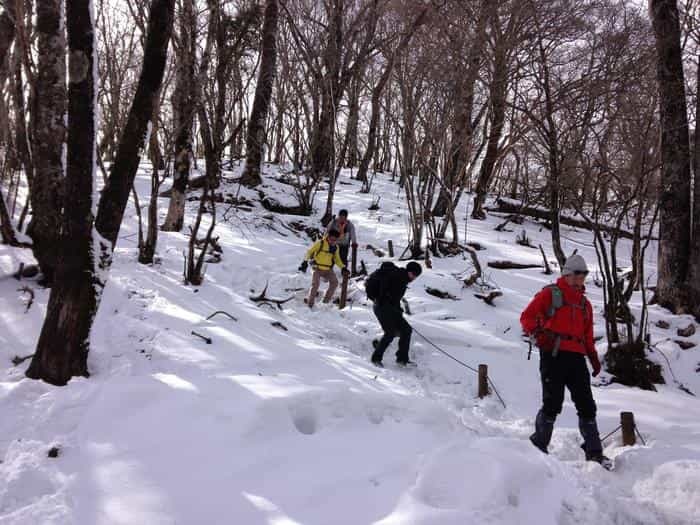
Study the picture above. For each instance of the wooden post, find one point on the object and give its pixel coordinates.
(354, 259)
(628, 428)
(343, 291)
(483, 381)
(391, 247)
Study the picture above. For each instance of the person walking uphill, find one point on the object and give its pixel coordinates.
(386, 287)
(323, 254)
(347, 236)
(560, 319)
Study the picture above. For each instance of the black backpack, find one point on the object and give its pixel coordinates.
(373, 282)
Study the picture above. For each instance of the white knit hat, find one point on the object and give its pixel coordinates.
(575, 263)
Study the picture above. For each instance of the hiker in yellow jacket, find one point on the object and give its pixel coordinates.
(323, 255)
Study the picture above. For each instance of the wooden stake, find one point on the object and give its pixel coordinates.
(391, 247)
(354, 259)
(483, 381)
(343, 291)
(628, 435)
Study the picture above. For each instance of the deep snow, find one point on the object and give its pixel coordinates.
(275, 426)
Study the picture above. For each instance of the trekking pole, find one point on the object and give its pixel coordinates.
(529, 351)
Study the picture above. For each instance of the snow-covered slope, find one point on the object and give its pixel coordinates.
(288, 423)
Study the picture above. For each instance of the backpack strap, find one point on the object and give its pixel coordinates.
(320, 249)
(557, 300)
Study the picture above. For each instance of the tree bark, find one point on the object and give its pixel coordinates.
(263, 93)
(353, 122)
(81, 274)
(63, 345)
(184, 106)
(497, 94)
(554, 161)
(49, 137)
(693, 281)
(675, 212)
(132, 144)
(7, 34)
(7, 231)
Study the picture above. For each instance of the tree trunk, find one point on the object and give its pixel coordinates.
(462, 128)
(115, 195)
(553, 161)
(353, 121)
(7, 231)
(49, 137)
(7, 34)
(693, 281)
(64, 341)
(21, 136)
(184, 106)
(263, 92)
(498, 89)
(675, 212)
(81, 274)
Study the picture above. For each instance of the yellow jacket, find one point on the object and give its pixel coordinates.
(322, 257)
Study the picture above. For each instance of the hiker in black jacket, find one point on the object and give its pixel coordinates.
(392, 282)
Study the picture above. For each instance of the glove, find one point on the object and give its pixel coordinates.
(595, 363)
(345, 272)
(303, 266)
(354, 245)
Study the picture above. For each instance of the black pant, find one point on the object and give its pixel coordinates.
(344, 249)
(393, 323)
(567, 369)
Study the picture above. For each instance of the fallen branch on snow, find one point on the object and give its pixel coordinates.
(263, 299)
(489, 298)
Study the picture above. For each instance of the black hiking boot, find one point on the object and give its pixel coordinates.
(544, 426)
(601, 459)
(406, 364)
(533, 440)
(377, 362)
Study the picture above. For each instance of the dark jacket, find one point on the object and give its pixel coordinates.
(347, 233)
(392, 286)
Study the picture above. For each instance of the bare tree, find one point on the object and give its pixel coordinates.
(674, 199)
(184, 107)
(263, 92)
(49, 136)
(85, 259)
(64, 341)
(508, 22)
(378, 91)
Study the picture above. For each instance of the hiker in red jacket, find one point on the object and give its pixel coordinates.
(560, 319)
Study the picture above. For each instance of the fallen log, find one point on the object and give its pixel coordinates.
(513, 207)
(440, 294)
(510, 265)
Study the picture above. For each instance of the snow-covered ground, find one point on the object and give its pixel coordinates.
(290, 424)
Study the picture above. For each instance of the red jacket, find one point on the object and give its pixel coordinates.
(570, 321)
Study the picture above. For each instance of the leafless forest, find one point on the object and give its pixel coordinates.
(571, 110)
